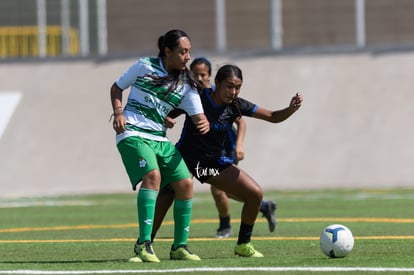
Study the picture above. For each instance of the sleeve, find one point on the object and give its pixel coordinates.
(175, 113)
(191, 103)
(130, 76)
(246, 107)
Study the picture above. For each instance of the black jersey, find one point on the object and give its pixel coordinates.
(210, 146)
(230, 143)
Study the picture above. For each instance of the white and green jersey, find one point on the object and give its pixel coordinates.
(147, 105)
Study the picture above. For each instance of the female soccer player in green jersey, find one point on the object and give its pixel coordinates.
(158, 85)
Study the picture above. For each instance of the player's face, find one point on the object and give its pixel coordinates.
(228, 89)
(179, 57)
(201, 72)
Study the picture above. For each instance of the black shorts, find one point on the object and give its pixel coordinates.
(203, 169)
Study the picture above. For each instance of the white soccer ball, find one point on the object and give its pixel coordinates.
(336, 241)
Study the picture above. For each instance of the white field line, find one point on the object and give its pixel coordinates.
(212, 269)
(8, 102)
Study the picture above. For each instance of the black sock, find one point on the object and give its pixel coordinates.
(225, 222)
(245, 233)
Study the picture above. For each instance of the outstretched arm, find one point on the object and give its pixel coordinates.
(280, 115)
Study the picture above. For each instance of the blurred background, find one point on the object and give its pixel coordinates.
(351, 59)
(91, 28)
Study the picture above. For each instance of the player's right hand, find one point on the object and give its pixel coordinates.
(203, 126)
(201, 122)
(119, 123)
(170, 122)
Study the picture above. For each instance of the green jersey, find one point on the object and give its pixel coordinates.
(148, 104)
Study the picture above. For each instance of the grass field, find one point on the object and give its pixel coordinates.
(95, 234)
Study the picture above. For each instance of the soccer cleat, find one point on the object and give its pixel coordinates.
(144, 253)
(247, 250)
(135, 259)
(269, 214)
(223, 232)
(183, 253)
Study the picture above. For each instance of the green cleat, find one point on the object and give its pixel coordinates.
(183, 253)
(144, 253)
(247, 250)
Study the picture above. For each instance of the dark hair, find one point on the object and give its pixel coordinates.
(225, 72)
(170, 40)
(201, 60)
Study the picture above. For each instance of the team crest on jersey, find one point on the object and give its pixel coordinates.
(142, 162)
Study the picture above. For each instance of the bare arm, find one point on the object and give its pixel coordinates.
(241, 133)
(280, 115)
(116, 100)
(201, 122)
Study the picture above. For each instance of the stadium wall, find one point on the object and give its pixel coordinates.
(132, 26)
(354, 129)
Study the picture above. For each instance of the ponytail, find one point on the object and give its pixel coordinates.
(171, 40)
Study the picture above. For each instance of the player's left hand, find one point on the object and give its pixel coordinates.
(239, 153)
(296, 101)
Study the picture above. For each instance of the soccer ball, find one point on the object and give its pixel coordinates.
(336, 241)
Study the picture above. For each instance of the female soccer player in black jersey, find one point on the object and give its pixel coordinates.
(205, 157)
(233, 146)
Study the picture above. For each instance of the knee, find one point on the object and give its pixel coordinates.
(217, 193)
(152, 180)
(183, 189)
(252, 195)
(257, 193)
(220, 197)
(186, 183)
(153, 175)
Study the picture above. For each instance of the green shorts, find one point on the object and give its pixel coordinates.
(141, 156)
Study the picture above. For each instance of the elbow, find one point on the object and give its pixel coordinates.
(115, 89)
(277, 120)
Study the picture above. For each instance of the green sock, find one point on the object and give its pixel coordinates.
(182, 217)
(146, 200)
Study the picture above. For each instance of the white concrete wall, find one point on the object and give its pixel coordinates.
(354, 129)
